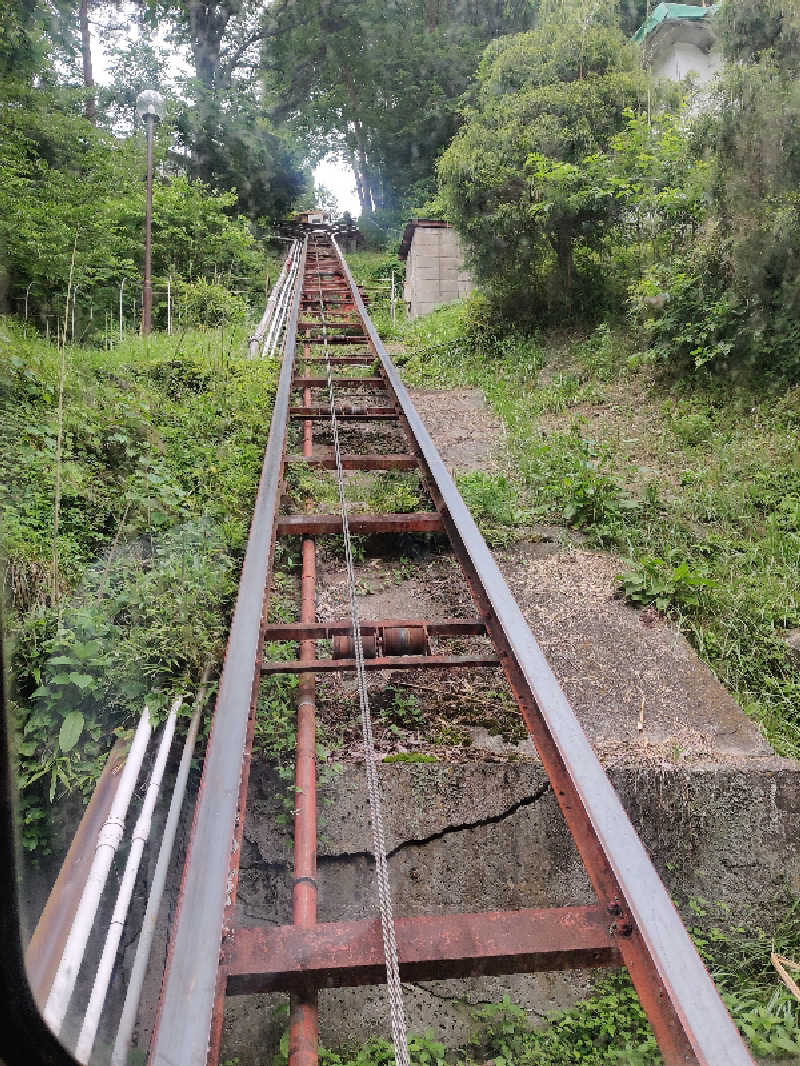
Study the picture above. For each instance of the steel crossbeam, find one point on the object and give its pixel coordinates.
(429, 947)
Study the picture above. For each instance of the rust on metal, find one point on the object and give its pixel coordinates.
(352, 461)
(344, 648)
(430, 947)
(448, 627)
(319, 524)
(405, 640)
(344, 360)
(384, 662)
(323, 414)
(350, 383)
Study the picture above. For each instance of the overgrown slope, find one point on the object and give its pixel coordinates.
(162, 448)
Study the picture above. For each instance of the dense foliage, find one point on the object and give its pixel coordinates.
(380, 83)
(518, 180)
(732, 297)
(574, 178)
(162, 447)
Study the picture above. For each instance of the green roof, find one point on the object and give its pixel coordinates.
(672, 11)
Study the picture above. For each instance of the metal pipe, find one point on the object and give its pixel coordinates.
(119, 1055)
(108, 841)
(269, 311)
(285, 287)
(276, 325)
(141, 831)
(303, 1018)
(276, 328)
(50, 935)
(147, 295)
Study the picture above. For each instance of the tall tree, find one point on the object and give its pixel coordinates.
(545, 101)
(86, 57)
(225, 127)
(379, 83)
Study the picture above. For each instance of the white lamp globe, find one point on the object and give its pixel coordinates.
(150, 104)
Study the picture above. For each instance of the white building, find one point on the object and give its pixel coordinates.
(678, 41)
(435, 270)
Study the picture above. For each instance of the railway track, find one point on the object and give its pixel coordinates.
(341, 408)
(332, 356)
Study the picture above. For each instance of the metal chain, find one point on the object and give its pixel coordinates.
(394, 987)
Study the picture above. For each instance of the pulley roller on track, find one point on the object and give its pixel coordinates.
(343, 647)
(405, 640)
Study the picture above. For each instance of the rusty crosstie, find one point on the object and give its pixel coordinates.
(633, 923)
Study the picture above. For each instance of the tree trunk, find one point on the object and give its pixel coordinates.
(86, 56)
(563, 246)
(359, 181)
(362, 171)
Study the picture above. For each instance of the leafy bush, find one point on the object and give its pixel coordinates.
(206, 303)
(162, 451)
(663, 584)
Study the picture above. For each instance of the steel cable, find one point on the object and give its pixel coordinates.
(393, 985)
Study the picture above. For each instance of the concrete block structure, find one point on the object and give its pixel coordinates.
(678, 41)
(435, 270)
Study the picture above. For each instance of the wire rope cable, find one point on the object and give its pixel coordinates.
(394, 987)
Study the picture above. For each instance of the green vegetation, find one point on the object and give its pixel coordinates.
(162, 448)
(671, 477)
(380, 84)
(580, 186)
(516, 177)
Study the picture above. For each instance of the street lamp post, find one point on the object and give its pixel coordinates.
(150, 106)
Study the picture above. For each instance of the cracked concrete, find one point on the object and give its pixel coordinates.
(473, 836)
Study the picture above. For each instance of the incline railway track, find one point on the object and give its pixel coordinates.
(336, 384)
(332, 352)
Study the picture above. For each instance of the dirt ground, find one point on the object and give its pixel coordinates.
(467, 434)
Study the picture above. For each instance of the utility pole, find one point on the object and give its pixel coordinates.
(150, 106)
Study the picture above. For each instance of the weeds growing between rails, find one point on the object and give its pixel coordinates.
(696, 483)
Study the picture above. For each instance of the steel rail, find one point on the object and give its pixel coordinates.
(689, 1019)
(187, 999)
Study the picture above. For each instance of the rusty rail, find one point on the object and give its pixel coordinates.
(633, 922)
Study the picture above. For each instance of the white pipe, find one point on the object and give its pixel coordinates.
(121, 287)
(266, 318)
(108, 841)
(169, 306)
(276, 325)
(141, 832)
(280, 287)
(119, 1056)
(283, 310)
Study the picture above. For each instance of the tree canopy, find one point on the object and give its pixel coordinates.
(545, 100)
